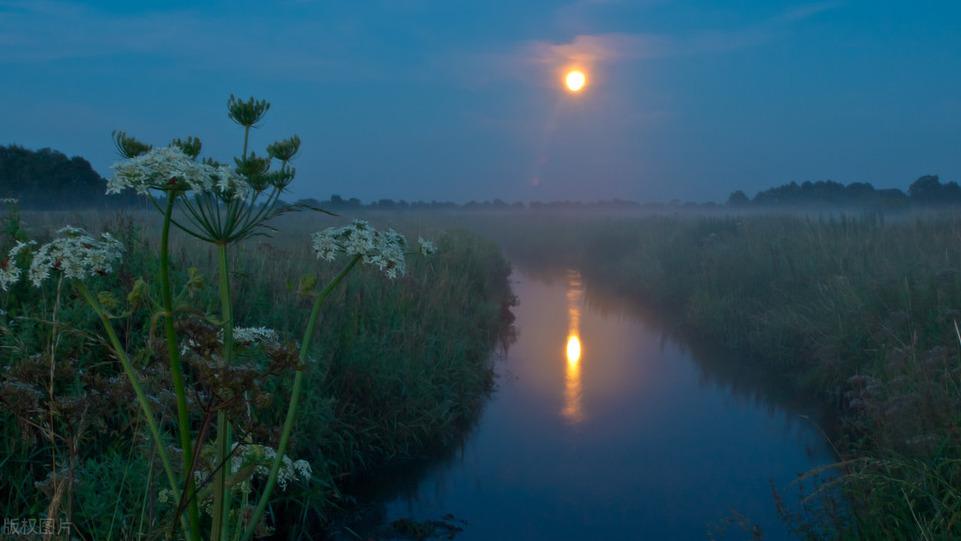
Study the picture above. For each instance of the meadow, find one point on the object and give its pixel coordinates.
(856, 312)
(396, 366)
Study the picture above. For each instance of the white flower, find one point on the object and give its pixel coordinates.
(165, 167)
(9, 271)
(254, 335)
(76, 254)
(158, 168)
(228, 182)
(262, 457)
(426, 247)
(9, 200)
(383, 249)
(303, 469)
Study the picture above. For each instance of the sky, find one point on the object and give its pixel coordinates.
(462, 100)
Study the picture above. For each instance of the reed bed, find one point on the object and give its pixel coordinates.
(396, 367)
(860, 313)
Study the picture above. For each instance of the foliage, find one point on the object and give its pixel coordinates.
(48, 179)
(219, 481)
(421, 344)
(926, 191)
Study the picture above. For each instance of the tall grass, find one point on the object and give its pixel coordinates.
(859, 313)
(395, 367)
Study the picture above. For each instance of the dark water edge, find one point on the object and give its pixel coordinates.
(375, 515)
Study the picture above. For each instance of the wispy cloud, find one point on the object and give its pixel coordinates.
(602, 47)
(50, 31)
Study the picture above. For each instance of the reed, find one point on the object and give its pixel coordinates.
(858, 312)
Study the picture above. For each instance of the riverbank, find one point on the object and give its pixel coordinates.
(858, 313)
(397, 366)
(602, 427)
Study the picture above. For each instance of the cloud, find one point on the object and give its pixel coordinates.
(51, 31)
(597, 48)
(600, 48)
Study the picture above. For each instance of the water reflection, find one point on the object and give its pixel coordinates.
(573, 409)
(603, 427)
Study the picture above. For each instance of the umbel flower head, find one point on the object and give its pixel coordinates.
(170, 169)
(9, 270)
(382, 249)
(76, 254)
(260, 456)
(253, 335)
(220, 204)
(426, 247)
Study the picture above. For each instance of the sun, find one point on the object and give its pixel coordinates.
(575, 81)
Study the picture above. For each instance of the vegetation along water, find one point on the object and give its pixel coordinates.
(200, 373)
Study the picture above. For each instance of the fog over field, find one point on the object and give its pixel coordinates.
(584, 269)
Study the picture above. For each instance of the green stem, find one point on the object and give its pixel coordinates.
(134, 382)
(221, 501)
(176, 369)
(294, 399)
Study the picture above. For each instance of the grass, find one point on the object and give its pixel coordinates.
(396, 367)
(859, 313)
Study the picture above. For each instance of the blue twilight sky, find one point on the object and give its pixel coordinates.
(462, 100)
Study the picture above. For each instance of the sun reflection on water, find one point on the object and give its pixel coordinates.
(573, 410)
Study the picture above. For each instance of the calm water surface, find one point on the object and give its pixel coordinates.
(601, 428)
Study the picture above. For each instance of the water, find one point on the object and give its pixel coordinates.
(601, 428)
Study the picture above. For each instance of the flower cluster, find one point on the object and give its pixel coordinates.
(262, 456)
(76, 254)
(167, 168)
(254, 335)
(9, 271)
(383, 249)
(426, 247)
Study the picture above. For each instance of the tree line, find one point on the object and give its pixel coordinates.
(47, 179)
(927, 191)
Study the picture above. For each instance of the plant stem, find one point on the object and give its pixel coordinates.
(176, 368)
(134, 382)
(294, 398)
(221, 501)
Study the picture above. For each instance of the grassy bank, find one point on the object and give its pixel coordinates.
(858, 312)
(396, 366)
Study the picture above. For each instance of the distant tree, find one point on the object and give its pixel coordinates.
(738, 199)
(48, 179)
(926, 190)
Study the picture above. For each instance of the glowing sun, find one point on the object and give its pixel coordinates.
(575, 81)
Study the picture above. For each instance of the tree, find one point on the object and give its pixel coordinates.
(738, 199)
(48, 179)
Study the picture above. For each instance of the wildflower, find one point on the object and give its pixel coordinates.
(230, 183)
(284, 150)
(382, 249)
(426, 247)
(254, 335)
(9, 271)
(261, 456)
(167, 168)
(9, 200)
(76, 254)
(159, 169)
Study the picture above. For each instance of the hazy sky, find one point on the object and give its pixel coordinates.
(462, 100)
